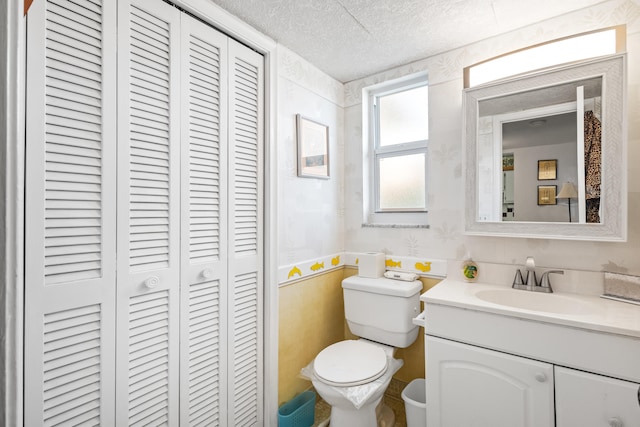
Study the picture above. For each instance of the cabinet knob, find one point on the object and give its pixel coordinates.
(207, 273)
(540, 377)
(152, 282)
(616, 422)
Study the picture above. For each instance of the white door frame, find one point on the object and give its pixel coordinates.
(12, 101)
(12, 170)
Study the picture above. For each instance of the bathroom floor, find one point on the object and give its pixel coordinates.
(392, 398)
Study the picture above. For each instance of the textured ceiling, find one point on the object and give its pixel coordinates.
(350, 39)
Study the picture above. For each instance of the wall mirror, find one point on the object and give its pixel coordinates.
(545, 153)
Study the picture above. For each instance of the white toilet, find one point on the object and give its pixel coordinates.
(380, 312)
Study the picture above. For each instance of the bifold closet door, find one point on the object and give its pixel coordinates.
(203, 361)
(144, 220)
(246, 231)
(70, 211)
(222, 203)
(148, 296)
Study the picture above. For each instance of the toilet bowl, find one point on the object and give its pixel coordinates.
(350, 376)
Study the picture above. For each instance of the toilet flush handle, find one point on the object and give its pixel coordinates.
(420, 319)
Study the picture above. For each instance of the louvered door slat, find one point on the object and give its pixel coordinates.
(90, 45)
(60, 63)
(92, 13)
(60, 107)
(70, 214)
(72, 100)
(245, 240)
(69, 21)
(148, 213)
(87, 244)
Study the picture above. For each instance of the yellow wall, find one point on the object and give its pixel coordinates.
(312, 317)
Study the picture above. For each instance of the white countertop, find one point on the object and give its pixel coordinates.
(602, 315)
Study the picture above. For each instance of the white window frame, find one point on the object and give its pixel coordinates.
(372, 152)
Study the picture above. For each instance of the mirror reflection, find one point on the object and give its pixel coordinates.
(539, 154)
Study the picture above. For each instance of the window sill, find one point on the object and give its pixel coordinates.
(396, 220)
(375, 225)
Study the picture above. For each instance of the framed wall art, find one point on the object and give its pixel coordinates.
(313, 148)
(547, 169)
(547, 194)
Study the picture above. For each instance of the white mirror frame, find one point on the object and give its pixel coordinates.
(613, 225)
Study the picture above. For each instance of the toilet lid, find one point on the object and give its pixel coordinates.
(350, 362)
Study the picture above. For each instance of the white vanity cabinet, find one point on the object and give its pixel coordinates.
(585, 399)
(473, 386)
(566, 360)
(479, 387)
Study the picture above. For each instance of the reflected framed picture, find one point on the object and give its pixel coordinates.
(547, 194)
(313, 148)
(547, 169)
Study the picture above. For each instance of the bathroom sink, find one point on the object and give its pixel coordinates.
(527, 300)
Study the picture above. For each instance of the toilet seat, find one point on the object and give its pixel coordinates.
(350, 363)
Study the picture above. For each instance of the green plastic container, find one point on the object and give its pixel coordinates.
(299, 411)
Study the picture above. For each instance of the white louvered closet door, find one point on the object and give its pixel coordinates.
(246, 150)
(204, 225)
(70, 214)
(148, 213)
(144, 223)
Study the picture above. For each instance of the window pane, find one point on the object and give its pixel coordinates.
(403, 116)
(402, 182)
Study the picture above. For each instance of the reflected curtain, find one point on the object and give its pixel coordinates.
(592, 165)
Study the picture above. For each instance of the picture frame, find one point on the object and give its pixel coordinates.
(313, 148)
(547, 195)
(507, 162)
(547, 170)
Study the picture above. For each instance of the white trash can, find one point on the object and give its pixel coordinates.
(415, 403)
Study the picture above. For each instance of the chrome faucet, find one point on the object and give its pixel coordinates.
(545, 284)
(529, 282)
(530, 279)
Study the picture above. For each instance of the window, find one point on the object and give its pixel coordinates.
(397, 142)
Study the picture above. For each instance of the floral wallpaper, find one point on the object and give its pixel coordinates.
(310, 211)
(320, 219)
(445, 238)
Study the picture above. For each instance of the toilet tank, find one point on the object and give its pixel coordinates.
(382, 309)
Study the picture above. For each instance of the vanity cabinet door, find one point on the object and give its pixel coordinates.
(585, 399)
(472, 386)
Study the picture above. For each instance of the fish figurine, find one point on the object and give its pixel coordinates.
(335, 261)
(295, 270)
(391, 263)
(317, 266)
(424, 267)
